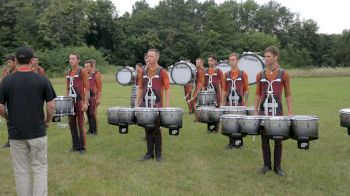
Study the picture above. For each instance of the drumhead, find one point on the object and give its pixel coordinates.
(125, 109)
(112, 109)
(143, 109)
(206, 93)
(253, 117)
(231, 116)
(171, 110)
(277, 118)
(233, 108)
(183, 73)
(303, 117)
(204, 108)
(252, 64)
(63, 98)
(224, 66)
(345, 111)
(125, 75)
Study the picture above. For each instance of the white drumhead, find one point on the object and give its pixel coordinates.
(252, 64)
(181, 73)
(124, 76)
(224, 67)
(345, 111)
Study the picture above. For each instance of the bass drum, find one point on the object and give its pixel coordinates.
(183, 73)
(252, 64)
(169, 74)
(126, 76)
(224, 66)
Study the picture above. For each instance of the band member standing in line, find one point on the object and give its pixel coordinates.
(236, 92)
(80, 92)
(160, 84)
(271, 73)
(35, 66)
(95, 85)
(200, 80)
(214, 81)
(9, 69)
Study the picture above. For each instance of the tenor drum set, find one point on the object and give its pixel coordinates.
(170, 118)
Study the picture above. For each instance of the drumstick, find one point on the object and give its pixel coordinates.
(191, 99)
(186, 95)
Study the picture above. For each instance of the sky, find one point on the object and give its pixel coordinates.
(332, 17)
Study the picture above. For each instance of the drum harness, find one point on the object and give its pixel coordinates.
(234, 98)
(210, 86)
(273, 104)
(152, 97)
(72, 92)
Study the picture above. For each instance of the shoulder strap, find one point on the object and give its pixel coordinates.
(280, 73)
(263, 75)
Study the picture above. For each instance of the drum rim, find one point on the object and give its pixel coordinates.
(126, 109)
(252, 117)
(281, 118)
(63, 98)
(206, 92)
(306, 117)
(141, 109)
(192, 73)
(171, 109)
(228, 116)
(344, 111)
(116, 75)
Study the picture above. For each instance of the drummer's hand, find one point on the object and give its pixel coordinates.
(290, 113)
(84, 107)
(47, 123)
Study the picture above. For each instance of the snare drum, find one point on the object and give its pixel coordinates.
(230, 125)
(169, 74)
(304, 127)
(183, 73)
(224, 66)
(203, 114)
(206, 98)
(64, 106)
(234, 110)
(171, 117)
(277, 127)
(252, 64)
(344, 115)
(112, 116)
(126, 76)
(250, 125)
(146, 117)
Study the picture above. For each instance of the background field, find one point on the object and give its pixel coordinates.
(197, 163)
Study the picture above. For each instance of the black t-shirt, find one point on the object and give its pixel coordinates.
(24, 94)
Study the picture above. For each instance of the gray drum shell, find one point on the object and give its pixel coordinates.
(250, 125)
(344, 115)
(171, 117)
(126, 116)
(215, 113)
(112, 115)
(146, 117)
(304, 127)
(230, 125)
(205, 98)
(63, 106)
(277, 127)
(203, 114)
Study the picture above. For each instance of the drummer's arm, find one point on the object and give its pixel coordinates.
(85, 77)
(166, 84)
(222, 85)
(257, 95)
(245, 88)
(288, 93)
(224, 91)
(139, 91)
(99, 88)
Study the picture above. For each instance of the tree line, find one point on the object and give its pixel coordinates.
(180, 29)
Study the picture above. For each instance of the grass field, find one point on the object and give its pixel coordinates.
(197, 163)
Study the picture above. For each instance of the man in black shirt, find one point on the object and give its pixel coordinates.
(24, 92)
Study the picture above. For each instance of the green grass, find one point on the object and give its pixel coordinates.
(196, 163)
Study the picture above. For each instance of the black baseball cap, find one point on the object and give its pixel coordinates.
(24, 54)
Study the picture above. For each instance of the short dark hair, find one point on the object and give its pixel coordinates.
(24, 55)
(10, 57)
(154, 50)
(75, 54)
(234, 54)
(212, 56)
(91, 61)
(273, 49)
(138, 64)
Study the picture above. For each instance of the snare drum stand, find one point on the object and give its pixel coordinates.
(273, 104)
(233, 99)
